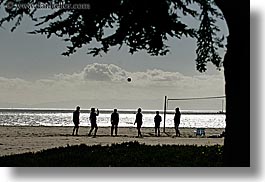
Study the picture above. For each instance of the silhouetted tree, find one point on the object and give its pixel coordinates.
(237, 83)
(147, 25)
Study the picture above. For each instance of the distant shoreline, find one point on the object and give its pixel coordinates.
(106, 111)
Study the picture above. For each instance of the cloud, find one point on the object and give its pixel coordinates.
(113, 73)
(157, 75)
(104, 72)
(12, 84)
(109, 82)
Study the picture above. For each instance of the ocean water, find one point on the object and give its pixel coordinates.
(60, 117)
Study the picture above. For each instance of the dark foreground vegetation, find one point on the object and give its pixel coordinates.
(130, 154)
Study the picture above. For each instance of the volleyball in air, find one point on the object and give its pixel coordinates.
(129, 79)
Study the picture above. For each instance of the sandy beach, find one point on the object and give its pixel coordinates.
(22, 139)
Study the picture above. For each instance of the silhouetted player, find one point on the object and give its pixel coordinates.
(139, 121)
(114, 119)
(93, 121)
(177, 121)
(157, 121)
(76, 120)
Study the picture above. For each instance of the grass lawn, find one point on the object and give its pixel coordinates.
(129, 154)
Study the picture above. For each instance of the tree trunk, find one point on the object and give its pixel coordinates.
(237, 86)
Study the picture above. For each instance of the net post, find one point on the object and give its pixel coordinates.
(165, 110)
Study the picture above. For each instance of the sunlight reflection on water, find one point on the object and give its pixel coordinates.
(126, 120)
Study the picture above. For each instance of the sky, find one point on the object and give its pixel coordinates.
(258, 14)
(33, 73)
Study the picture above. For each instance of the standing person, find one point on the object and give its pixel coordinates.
(177, 121)
(93, 121)
(157, 121)
(114, 119)
(139, 121)
(76, 120)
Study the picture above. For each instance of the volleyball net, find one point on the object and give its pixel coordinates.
(198, 105)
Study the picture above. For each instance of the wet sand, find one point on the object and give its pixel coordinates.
(22, 139)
